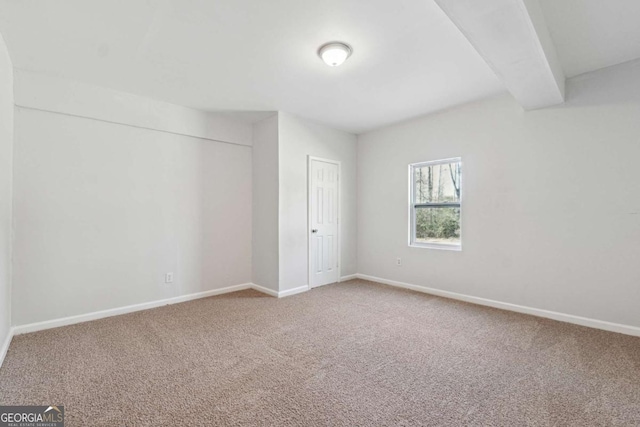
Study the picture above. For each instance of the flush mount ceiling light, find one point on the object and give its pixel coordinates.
(334, 53)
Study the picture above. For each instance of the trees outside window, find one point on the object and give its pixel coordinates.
(436, 203)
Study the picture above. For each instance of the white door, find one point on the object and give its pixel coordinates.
(323, 222)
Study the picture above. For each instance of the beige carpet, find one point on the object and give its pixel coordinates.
(356, 353)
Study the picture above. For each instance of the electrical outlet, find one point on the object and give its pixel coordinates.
(399, 261)
(168, 278)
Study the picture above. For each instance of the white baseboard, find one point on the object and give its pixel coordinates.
(294, 291)
(265, 290)
(349, 277)
(562, 317)
(48, 324)
(280, 294)
(583, 321)
(71, 320)
(5, 345)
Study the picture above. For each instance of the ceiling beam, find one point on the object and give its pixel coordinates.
(513, 38)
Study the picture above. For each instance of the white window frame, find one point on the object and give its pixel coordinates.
(412, 216)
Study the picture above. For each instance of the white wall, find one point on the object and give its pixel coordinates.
(551, 200)
(265, 204)
(103, 210)
(298, 139)
(6, 166)
(71, 97)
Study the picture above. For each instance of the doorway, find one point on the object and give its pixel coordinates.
(324, 219)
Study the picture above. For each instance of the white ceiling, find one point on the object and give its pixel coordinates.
(256, 55)
(593, 34)
(409, 59)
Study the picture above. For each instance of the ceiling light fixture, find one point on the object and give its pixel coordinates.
(334, 53)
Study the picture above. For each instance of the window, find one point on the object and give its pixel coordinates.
(436, 204)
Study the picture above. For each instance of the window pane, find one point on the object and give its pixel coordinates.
(437, 225)
(437, 183)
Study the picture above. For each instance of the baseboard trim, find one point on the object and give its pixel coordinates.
(280, 294)
(71, 320)
(562, 317)
(5, 345)
(294, 291)
(87, 317)
(264, 290)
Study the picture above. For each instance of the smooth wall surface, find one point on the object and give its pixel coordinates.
(551, 205)
(300, 138)
(103, 211)
(6, 167)
(50, 93)
(265, 269)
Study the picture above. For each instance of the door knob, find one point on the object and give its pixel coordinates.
(315, 230)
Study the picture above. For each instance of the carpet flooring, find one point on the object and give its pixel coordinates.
(350, 354)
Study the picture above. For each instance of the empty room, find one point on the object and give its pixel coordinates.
(319, 213)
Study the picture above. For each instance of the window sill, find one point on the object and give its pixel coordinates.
(439, 246)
